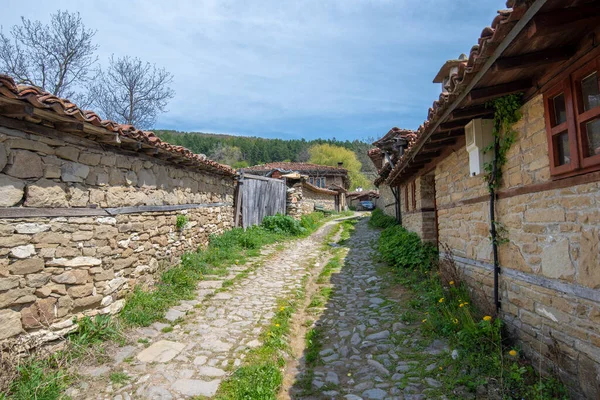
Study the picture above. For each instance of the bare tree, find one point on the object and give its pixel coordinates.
(56, 57)
(132, 92)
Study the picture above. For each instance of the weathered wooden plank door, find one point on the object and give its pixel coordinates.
(258, 197)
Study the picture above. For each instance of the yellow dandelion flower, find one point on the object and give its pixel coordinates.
(461, 304)
(465, 303)
(282, 308)
(277, 325)
(441, 300)
(349, 374)
(441, 368)
(455, 321)
(451, 282)
(425, 320)
(512, 353)
(487, 318)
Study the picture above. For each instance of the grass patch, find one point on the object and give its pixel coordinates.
(179, 282)
(45, 376)
(119, 378)
(261, 376)
(380, 220)
(443, 304)
(167, 329)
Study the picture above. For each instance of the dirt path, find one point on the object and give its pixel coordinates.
(210, 336)
(370, 345)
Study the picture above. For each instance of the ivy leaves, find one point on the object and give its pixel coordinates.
(507, 111)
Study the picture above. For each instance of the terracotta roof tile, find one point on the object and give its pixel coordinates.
(294, 166)
(43, 100)
(488, 41)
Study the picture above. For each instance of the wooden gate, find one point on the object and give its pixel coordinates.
(258, 197)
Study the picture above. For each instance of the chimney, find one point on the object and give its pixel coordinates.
(340, 164)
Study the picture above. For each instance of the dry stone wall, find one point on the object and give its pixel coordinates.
(81, 225)
(312, 199)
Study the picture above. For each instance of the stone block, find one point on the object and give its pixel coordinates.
(79, 196)
(10, 324)
(556, 261)
(68, 153)
(80, 290)
(74, 262)
(87, 302)
(37, 280)
(16, 296)
(74, 172)
(146, 178)
(11, 191)
(90, 158)
(24, 164)
(10, 282)
(74, 277)
(46, 193)
(39, 314)
(589, 273)
(109, 160)
(31, 227)
(34, 145)
(51, 171)
(24, 251)
(3, 157)
(26, 266)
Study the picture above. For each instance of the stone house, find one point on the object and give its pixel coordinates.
(544, 281)
(88, 210)
(304, 198)
(322, 176)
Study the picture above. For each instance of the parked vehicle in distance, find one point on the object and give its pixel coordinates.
(366, 205)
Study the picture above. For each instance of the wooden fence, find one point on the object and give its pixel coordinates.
(258, 197)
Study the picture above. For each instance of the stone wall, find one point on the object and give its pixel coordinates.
(294, 198)
(386, 201)
(313, 198)
(550, 276)
(82, 225)
(420, 217)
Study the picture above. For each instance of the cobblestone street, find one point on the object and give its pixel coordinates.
(208, 338)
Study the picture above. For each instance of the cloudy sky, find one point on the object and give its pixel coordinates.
(349, 69)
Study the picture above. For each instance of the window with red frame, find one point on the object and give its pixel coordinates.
(572, 110)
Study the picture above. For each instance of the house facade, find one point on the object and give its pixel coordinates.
(321, 176)
(543, 277)
(89, 208)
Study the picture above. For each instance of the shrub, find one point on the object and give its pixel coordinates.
(283, 224)
(182, 220)
(380, 220)
(311, 221)
(403, 249)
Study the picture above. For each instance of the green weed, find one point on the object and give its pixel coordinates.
(119, 378)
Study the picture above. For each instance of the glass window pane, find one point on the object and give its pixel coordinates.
(560, 110)
(590, 92)
(563, 150)
(592, 131)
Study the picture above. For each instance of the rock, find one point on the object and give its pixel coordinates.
(355, 340)
(11, 191)
(556, 261)
(30, 228)
(122, 353)
(215, 345)
(378, 336)
(39, 314)
(10, 324)
(46, 193)
(194, 387)
(352, 397)
(433, 383)
(3, 158)
(9, 282)
(376, 300)
(25, 164)
(332, 378)
(115, 284)
(72, 277)
(37, 280)
(210, 372)
(95, 371)
(157, 393)
(68, 153)
(375, 394)
(74, 262)
(397, 377)
(173, 315)
(253, 343)
(23, 251)
(200, 360)
(146, 178)
(80, 290)
(74, 172)
(87, 302)
(29, 266)
(454, 354)
(378, 366)
(161, 351)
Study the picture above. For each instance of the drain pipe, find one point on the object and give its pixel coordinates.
(493, 232)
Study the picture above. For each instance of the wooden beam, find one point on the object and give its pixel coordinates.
(452, 125)
(562, 19)
(471, 112)
(16, 110)
(491, 92)
(70, 127)
(529, 60)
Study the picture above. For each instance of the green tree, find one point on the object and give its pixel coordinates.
(327, 154)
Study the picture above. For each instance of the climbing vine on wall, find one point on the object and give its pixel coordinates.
(507, 111)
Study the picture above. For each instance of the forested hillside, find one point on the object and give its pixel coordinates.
(241, 151)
